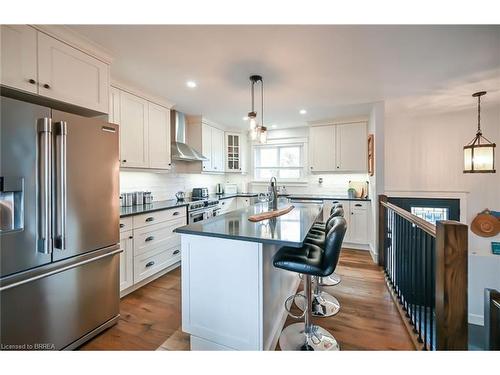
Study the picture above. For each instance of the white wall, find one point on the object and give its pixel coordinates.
(423, 154)
(377, 182)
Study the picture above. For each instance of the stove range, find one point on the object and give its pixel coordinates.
(201, 206)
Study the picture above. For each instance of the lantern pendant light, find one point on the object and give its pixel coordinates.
(258, 132)
(479, 154)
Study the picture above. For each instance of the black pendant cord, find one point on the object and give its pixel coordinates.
(479, 115)
(262, 103)
(253, 106)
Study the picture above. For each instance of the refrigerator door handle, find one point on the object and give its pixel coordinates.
(44, 129)
(61, 130)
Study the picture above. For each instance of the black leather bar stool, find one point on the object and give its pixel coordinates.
(321, 226)
(310, 260)
(323, 303)
(333, 279)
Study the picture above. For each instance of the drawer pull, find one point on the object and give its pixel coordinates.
(176, 252)
(122, 225)
(358, 205)
(176, 213)
(150, 238)
(150, 264)
(149, 219)
(130, 237)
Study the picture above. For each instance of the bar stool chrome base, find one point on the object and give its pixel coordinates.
(331, 280)
(323, 304)
(294, 337)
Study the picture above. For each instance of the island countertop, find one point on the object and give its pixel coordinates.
(286, 230)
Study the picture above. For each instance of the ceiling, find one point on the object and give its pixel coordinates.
(331, 71)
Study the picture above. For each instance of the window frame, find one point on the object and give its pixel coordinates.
(280, 145)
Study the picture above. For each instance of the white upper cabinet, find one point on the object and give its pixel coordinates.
(144, 130)
(69, 75)
(206, 147)
(114, 105)
(212, 147)
(321, 146)
(18, 64)
(233, 153)
(352, 147)
(134, 134)
(338, 148)
(159, 137)
(36, 63)
(217, 150)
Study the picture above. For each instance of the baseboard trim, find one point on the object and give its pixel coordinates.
(476, 319)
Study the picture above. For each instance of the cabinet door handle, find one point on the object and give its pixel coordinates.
(32, 81)
(130, 237)
(149, 219)
(176, 252)
(124, 161)
(150, 238)
(176, 213)
(150, 264)
(358, 205)
(311, 167)
(122, 225)
(46, 86)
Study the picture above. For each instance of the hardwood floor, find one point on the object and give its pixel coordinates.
(368, 320)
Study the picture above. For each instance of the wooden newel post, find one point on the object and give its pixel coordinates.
(451, 286)
(382, 235)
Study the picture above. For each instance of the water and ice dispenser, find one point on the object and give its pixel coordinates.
(11, 204)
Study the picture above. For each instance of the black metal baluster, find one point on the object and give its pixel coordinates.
(398, 257)
(433, 291)
(406, 265)
(400, 267)
(418, 284)
(426, 291)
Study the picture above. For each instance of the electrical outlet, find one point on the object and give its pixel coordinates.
(495, 248)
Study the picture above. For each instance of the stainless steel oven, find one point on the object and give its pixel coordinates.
(203, 214)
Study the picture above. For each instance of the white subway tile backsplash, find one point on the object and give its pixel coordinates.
(165, 185)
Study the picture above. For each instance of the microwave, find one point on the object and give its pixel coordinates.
(230, 189)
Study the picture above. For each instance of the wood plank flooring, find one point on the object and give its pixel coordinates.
(368, 320)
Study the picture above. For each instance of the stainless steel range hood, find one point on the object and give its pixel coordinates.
(181, 150)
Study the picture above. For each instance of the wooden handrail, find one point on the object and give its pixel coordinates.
(421, 223)
(447, 251)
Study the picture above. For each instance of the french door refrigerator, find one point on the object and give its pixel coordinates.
(59, 227)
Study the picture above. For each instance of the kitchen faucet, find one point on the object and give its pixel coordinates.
(273, 189)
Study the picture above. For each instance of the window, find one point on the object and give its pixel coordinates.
(285, 162)
(430, 214)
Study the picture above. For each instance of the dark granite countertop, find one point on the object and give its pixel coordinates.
(324, 197)
(155, 206)
(244, 195)
(286, 230)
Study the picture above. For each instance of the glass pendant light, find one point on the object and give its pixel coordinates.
(258, 132)
(479, 154)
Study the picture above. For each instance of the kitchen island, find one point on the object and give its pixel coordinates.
(232, 296)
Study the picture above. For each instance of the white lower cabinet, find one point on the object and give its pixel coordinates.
(126, 260)
(244, 201)
(228, 204)
(357, 216)
(150, 246)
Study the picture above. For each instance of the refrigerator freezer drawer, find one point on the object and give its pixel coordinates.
(54, 311)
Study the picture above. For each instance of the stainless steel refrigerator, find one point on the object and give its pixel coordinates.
(59, 227)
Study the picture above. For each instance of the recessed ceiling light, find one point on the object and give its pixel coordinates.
(302, 111)
(245, 118)
(191, 84)
(274, 126)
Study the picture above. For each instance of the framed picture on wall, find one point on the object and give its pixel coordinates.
(371, 155)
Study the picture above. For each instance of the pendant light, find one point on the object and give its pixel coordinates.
(258, 132)
(479, 154)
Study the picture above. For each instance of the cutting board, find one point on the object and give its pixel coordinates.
(361, 188)
(270, 214)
